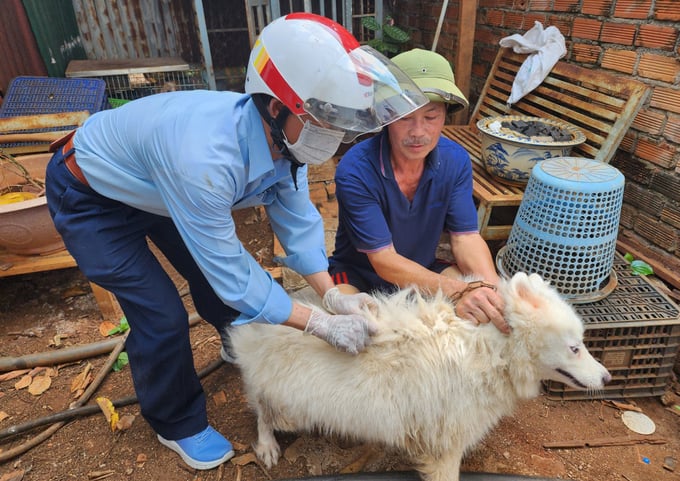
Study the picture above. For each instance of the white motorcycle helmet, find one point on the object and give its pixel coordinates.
(314, 65)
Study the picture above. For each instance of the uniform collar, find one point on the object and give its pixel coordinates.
(251, 133)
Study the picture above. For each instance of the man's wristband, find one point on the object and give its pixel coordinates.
(471, 287)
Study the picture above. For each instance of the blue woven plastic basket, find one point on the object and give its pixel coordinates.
(49, 95)
(566, 227)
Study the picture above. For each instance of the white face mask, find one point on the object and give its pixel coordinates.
(315, 145)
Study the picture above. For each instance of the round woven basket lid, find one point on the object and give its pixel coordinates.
(578, 172)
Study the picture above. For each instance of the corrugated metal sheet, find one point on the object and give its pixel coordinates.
(19, 54)
(54, 27)
(138, 29)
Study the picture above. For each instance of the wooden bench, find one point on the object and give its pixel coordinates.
(602, 105)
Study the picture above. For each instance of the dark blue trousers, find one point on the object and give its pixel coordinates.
(108, 240)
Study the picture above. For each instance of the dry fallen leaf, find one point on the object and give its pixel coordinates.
(109, 411)
(39, 385)
(82, 380)
(141, 458)
(36, 370)
(73, 292)
(8, 376)
(244, 459)
(240, 446)
(106, 327)
(125, 422)
(3, 416)
(24, 382)
(17, 475)
(220, 398)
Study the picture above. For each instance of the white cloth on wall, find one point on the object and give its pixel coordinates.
(545, 47)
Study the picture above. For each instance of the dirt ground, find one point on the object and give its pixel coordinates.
(55, 310)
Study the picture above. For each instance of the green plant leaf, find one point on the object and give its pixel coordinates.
(628, 257)
(395, 33)
(370, 23)
(121, 362)
(121, 327)
(641, 268)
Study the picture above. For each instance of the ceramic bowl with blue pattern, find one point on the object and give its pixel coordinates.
(509, 154)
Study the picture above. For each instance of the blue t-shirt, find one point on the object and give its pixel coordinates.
(195, 156)
(374, 213)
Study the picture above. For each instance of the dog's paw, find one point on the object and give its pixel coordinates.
(268, 452)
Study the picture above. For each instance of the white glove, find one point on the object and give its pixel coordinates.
(347, 333)
(338, 303)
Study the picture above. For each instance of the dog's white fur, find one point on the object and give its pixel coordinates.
(430, 384)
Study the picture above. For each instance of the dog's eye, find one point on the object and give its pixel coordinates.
(575, 349)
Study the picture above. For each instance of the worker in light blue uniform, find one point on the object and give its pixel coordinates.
(172, 167)
(400, 190)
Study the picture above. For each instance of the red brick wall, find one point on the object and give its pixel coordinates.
(637, 38)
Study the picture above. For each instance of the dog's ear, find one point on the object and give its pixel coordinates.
(527, 288)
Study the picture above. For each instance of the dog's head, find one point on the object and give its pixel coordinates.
(550, 332)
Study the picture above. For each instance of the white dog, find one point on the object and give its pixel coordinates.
(430, 384)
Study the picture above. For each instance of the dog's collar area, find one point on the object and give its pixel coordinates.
(571, 377)
(471, 287)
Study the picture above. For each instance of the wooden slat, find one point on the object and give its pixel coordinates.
(42, 121)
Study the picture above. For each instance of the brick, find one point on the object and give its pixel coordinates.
(627, 142)
(586, 53)
(667, 10)
(666, 99)
(649, 121)
(562, 24)
(541, 5)
(601, 8)
(671, 131)
(657, 232)
(586, 28)
(636, 9)
(494, 18)
(666, 183)
(486, 36)
(619, 60)
(628, 215)
(671, 216)
(657, 36)
(632, 169)
(514, 21)
(566, 6)
(658, 67)
(619, 33)
(530, 20)
(644, 199)
(660, 154)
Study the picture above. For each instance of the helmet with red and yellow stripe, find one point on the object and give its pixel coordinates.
(314, 65)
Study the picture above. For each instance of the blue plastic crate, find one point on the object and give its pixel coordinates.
(50, 95)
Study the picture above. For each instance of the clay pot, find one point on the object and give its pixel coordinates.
(26, 227)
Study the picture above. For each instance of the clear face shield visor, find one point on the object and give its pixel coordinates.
(363, 92)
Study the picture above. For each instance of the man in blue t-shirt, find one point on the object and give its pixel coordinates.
(399, 190)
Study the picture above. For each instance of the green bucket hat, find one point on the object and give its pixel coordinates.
(432, 73)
